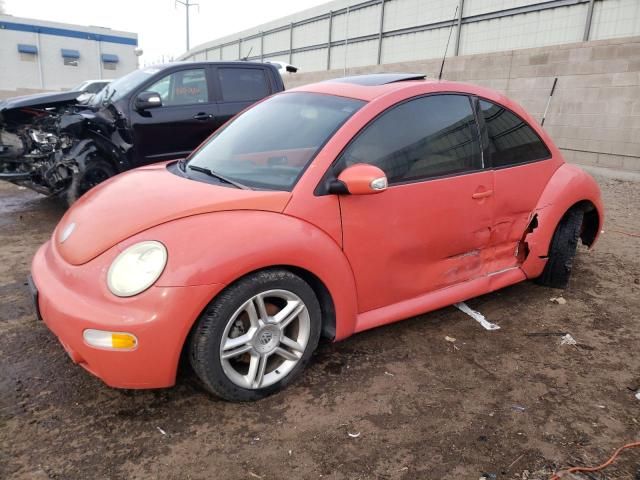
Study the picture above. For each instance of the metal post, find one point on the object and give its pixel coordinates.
(346, 41)
(380, 31)
(240, 49)
(291, 42)
(40, 70)
(99, 47)
(329, 40)
(187, 15)
(587, 24)
(262, 46)
(456, 50)
(187, 5)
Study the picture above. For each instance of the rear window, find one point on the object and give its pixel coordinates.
(243, 84)
(510, 139)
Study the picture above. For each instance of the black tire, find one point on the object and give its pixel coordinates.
(562, 251)
(204, 344)
(96, 171)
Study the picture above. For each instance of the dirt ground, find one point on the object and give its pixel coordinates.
(416, 406)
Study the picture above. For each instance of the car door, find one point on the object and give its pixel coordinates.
(431, 227)
(522, 167)
(187, 116)
(238, 87)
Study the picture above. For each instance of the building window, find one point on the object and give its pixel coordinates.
(109, 61)
(70, 57)
(27, 53)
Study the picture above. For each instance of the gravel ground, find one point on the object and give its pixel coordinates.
(420, 407)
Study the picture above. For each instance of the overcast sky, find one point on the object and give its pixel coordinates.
(160, 24)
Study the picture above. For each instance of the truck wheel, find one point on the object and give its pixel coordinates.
(96, 171)
(562, 251)
(256, 336)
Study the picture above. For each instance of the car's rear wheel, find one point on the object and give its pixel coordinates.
(256, 336)
(96, 171)
(562, 251)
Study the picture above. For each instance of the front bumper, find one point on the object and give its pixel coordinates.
(71, 299)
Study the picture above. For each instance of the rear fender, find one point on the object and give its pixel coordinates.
(569, 186)
(219, 248)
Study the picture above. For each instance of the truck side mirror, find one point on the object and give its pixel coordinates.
(146, 100)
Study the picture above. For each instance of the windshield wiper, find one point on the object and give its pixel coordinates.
(213, 174)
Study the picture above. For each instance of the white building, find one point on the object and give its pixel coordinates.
(355, 33)
(38, 55)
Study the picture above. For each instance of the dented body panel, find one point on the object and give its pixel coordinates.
(568, 187)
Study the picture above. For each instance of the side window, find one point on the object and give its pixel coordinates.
(422, 138)
(243, 84)
(95, 87)
(511, 140)
(186, 87)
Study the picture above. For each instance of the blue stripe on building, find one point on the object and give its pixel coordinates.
(63, 32)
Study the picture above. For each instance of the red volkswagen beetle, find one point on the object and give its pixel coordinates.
(322, 211)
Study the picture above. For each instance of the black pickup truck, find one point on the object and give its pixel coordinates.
(153, 114)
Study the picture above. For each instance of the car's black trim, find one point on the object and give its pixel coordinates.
(33, 290)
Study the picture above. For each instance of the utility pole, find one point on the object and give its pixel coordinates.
(187, 5)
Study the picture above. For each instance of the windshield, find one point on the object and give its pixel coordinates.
(122, 86)
(269, 145)
(79, 88)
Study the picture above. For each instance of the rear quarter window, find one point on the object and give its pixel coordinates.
(243, 84)
(509, 139)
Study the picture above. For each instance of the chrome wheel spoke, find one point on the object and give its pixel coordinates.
(257, 367)
(261, 308)
(286, 354)
(292, 344)
(231, 353)
(252, 312)
(234, 343)
(285, 316)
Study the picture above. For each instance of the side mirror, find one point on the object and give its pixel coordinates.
(148, 100)
(360, 179)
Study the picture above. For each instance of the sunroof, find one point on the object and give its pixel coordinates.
(380, 78)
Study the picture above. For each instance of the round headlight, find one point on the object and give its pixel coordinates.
(137, 268)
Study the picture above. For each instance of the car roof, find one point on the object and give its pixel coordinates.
(373, 86)
(231, 62)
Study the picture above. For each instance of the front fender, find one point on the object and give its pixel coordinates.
(219, 248)
(568, 186)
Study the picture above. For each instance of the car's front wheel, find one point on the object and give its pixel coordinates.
(256, 336)
(96, 171)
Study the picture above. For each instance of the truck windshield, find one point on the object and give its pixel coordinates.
(122, 86)
(270, 145)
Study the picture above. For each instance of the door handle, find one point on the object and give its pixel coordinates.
(202, 116)
(485, 194)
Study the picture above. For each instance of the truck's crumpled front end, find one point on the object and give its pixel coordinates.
(45, 146)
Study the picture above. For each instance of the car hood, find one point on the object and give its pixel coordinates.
(143, 198)
(39, 100)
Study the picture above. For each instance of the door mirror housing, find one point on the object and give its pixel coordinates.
(146, 100)
(361, 179)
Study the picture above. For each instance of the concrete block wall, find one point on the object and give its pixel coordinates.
(594, 116)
